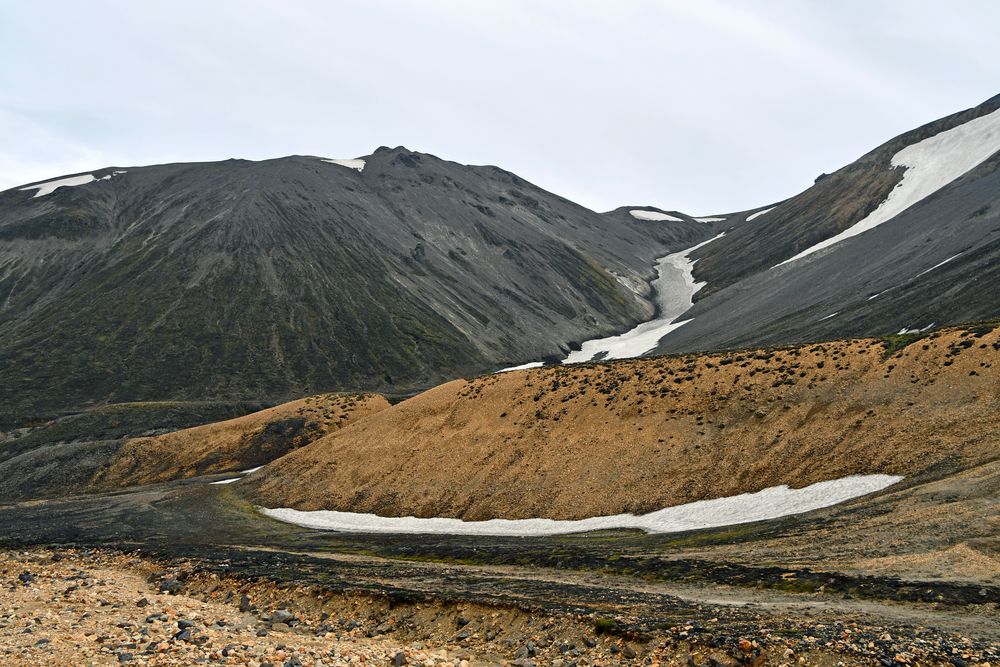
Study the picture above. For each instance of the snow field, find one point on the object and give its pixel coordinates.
(49, 187)
(359, 165)
(756, 215)
(674, 287)
(640, 214)
(533, 364)
(771, 503)
(930, 165)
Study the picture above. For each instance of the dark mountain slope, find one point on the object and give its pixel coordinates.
(836, 202)
(269, 279)
(936, 262)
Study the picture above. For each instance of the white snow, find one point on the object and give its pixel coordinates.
(904, 330)
(532, 364)
(350, 164)
(930, 165)
(236, 479)
(49, 187)
(925, 271)
(760, 213)
(828, 316)
(709, 219)
(770, 503)
(639, 214)
(939, 264)
(675, 287)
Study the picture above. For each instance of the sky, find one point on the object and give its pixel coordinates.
(702, 106)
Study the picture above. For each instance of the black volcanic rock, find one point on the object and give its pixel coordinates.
(935, 263)
(264, 280)
(833, 204)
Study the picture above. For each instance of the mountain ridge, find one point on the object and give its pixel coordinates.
(395, 271)
(272, 279)
(933, 263)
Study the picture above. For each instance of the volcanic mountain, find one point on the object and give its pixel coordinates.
(906, 237)
(274, 279)
(264, 281)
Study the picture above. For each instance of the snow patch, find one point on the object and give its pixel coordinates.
(236, 479)
(49, 187)
(709, 219)
(533, 364)
(350, 164)
(675, 287)
(930, 165)
(771, 503)
(939, 264)
(760, 213)
(828, 316)
(924, 272)
(640, 214)
(904, 330)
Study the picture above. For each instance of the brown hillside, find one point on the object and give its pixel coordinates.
(235, 444)
(638, 435)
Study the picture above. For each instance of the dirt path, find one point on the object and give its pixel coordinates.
(980, 620)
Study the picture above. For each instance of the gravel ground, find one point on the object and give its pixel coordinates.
(101, 610)
(91, 607)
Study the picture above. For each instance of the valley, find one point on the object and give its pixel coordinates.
(911, 572)
(264, 399)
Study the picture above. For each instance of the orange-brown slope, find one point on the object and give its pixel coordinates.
(235, 444)
(633, 436)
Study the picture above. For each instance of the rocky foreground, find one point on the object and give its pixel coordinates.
(89, 607)
(70, 608)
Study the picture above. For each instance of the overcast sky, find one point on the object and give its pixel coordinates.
(704, 106)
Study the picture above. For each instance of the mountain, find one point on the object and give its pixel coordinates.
(905, 237)
(268, 280)
(235, 444)
(577, 441)
(262, 281)
(72, 455)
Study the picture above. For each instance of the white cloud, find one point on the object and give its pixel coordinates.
(702, 106)
(31, 152)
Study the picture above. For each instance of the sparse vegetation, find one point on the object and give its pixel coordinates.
(897, 342)
(663, 428)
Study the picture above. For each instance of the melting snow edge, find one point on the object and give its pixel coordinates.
(771, 503)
